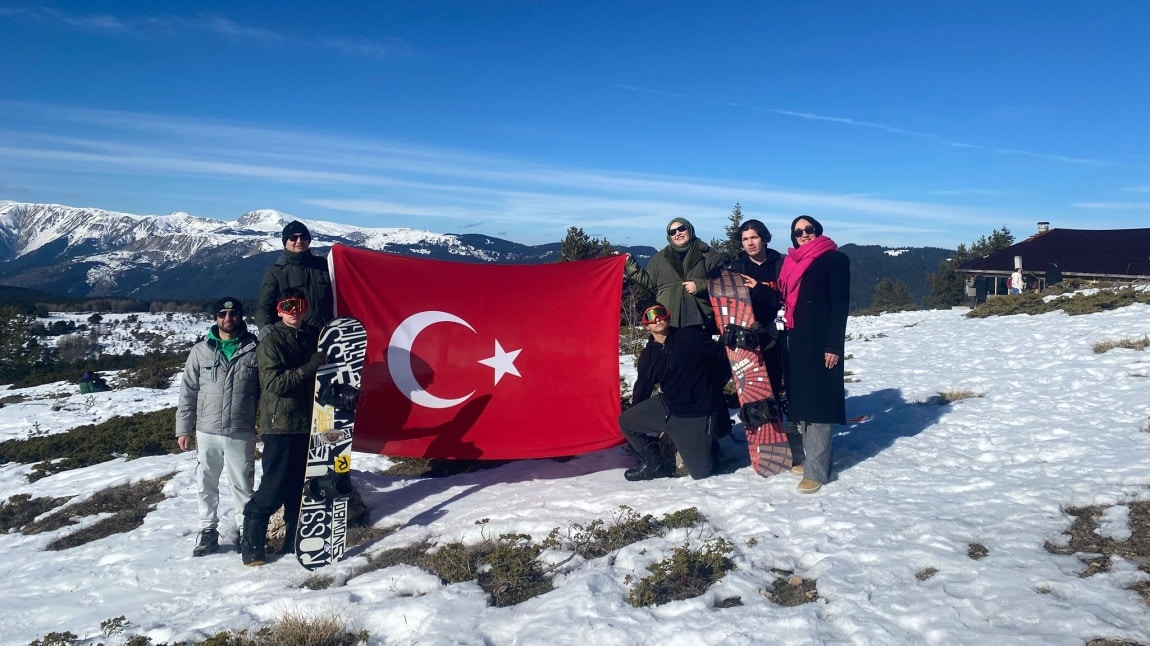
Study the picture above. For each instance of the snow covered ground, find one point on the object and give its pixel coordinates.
(1056, 426)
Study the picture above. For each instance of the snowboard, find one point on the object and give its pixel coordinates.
(322, 532)
(759, 408)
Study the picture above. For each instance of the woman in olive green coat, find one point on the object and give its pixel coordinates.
(678, 276)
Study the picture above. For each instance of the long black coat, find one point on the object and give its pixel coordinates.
(815, 394)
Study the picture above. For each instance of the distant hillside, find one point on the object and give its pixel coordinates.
(872, 263)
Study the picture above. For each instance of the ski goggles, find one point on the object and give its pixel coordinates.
(654, 314)
(296, 306)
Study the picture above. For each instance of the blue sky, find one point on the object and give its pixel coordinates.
(894, 123)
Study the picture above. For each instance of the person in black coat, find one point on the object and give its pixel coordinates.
(681, 361)
(815, 285)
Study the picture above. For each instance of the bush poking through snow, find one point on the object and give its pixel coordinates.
(685, 574)
(131, 437)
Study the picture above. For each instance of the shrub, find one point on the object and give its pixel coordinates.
(127, 504)
(156, 370)
(627, 526)
(1079, 303)
(685, 574)
(140, 435)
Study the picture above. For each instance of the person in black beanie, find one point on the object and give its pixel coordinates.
(298, 267)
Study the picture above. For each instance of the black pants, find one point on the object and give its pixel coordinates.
(692, 436)
(284, 462)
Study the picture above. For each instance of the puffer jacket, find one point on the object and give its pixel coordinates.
(218, 396)
(304, 271)
(288, 379)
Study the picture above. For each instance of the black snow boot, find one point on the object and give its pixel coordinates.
(651, 464)
(209, 543)
(253, 544)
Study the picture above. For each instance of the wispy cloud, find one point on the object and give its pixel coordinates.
(1065, 159)
(647, 90)
(168, 25)
(1057, 158)
(1137, 189)
(401, 185)
(1114, 206)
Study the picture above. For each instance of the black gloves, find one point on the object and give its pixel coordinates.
(735, 336)
(318, 359)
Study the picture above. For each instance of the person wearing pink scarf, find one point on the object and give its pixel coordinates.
(815, 286)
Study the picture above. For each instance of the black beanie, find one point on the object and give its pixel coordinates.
(292, 228)
(814, 223)
(229, 303)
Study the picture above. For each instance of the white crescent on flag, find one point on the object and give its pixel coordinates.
(399, 359)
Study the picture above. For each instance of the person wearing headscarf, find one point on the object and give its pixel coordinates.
(678, 276)
(815, 286)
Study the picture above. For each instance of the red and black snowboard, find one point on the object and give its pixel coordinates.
(323, 516)
(762, 419)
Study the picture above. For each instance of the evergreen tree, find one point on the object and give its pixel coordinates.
(19, 347)
(580, 246)
(730, 246)
(947, 287)
(891, 296)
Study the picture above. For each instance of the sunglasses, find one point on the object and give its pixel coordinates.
(807, 230)
(296, 306)
(298, 237)
(679, 229)
(224, 314)
(654, 314)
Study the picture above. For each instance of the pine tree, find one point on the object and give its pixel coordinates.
(580, 246)
(891, 296)
(730, 246)
(947, 287)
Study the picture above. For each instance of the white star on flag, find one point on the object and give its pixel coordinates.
(503, 362)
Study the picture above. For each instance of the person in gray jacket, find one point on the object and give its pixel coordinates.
(219, 399)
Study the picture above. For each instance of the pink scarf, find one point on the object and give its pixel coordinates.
(794, 266)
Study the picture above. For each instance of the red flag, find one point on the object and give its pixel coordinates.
(481, 361)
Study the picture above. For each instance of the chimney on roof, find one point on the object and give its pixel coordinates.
(1043, 227)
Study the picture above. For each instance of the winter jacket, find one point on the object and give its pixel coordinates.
(287, 374)
(688, 383)
(814, 393)
(765, 302)
(219, 396)
(304, 271)
(665, 274)
(651, 366)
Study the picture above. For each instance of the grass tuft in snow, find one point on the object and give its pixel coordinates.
(685, 574)
(1126, 343)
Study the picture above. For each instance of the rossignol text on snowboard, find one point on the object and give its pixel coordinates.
(323, 516)
(759, 408)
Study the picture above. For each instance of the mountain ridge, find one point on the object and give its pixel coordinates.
(91, 252)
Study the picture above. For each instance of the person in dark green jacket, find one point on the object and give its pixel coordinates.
(288, 361)
(301, 269)
(678, 276)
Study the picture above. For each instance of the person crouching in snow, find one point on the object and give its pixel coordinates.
(680, 360)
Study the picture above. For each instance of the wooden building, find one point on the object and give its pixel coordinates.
(1110, 255)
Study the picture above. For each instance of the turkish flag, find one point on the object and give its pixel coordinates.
(483, 361)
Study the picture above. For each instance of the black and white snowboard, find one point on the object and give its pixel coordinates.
(323, 517)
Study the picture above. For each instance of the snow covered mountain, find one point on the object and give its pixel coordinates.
(90, 252)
